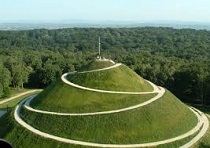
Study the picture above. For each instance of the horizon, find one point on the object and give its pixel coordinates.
(101, 22)
(100, 10)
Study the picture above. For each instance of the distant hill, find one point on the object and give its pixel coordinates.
(30, 25)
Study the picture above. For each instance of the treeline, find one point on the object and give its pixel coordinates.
(175, 59)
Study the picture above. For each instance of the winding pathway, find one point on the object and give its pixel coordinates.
(159, 90)
(201, 133)
(102, 69)
(64, 79)
(201, 121)
(159, 95)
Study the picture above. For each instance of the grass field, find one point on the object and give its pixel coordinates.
(97, 64)
(120, 78)
(61, 97)
(14, 92)
(14, 102)
(22, 138)
(178, 143)
(163, 119)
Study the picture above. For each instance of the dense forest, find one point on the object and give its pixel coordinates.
(176, 59)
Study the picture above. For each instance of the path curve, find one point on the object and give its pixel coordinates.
(159, 95)
(65, 140)
(19, 95)
(64, 79)
(106, 68)
(201, 133)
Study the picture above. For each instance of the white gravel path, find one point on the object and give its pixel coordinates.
(201, 133)
(158, 96)
(201, 121)
(64, 79)
(114, 66)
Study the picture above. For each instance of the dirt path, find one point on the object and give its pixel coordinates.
(19, 95)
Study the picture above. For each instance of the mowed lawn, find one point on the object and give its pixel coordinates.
(96, 64)
(61, 97)
(20, 137)
(121, 78)
(160, 120)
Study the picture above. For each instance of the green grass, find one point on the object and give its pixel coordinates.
(14, 102)
(96, 65)
(22, 138)
(61, 97)
(120, 78)
(15, 91)
(178, 143)
(163, 119)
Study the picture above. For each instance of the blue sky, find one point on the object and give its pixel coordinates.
(118, 10)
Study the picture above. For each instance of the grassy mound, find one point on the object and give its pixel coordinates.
(120, 78)
(97, 64)
(61, 97)
(162, 119)
(165, 118)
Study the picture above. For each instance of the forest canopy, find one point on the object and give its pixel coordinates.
(177, 59)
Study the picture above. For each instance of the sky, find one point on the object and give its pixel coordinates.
(103, 10)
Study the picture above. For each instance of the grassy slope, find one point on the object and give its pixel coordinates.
(96, 65)
(163, 119)
(120, 78)
(22, 138)
(179, 143)
(64, 98)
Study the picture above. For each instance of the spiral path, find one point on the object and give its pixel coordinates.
(201, 127)
(158, 96)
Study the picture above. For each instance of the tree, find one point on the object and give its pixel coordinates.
(5, 79)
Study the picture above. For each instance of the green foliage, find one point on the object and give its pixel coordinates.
(5, 79)
(35, 58)
(6, 92)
